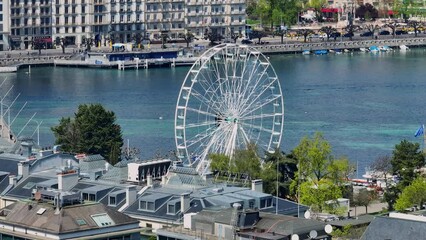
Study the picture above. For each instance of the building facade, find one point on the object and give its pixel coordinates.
(46, 23)
(4, 25)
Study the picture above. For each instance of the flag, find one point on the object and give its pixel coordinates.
(419, 131)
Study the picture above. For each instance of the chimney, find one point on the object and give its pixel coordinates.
(23, 169)
(163, 180)
(106, 167)
(184, 202)
(149, 180)
(12, 180)
(67, 179)
(257, 185)
(130, 195)
(27, 146)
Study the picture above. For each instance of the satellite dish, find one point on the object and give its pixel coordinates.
(313, 234)
(294, 237)
(328, 228)
(307, 214)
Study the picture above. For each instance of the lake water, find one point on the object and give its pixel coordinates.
(363, 103)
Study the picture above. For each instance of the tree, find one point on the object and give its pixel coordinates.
(408, 8)
(406, 161)
(257, 34)
(219, 162)
(328, 30)
(364, 198)
(247, 161)
(392, 26)
(382, 166)
(287, 167)
(319, 195)
(366, 12)
(164, 38)
(414, 194)
(305, 33)
(317, 5)
(188, 37)
(92, 130)
(314, 156)
(372, 28)
(415, 25)
(339, 170)
(213, 36)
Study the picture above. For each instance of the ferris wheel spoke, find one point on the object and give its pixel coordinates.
(200, 112)
(260, 128)
(258, 106)
(260, 116)
(203, 99)
(202, 124)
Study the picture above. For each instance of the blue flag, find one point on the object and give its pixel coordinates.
(419, 131)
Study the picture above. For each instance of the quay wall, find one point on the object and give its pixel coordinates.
(13, 64)
(339, 45)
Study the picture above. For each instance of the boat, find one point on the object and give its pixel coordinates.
(374, 49)
(346, 50)
(364, 49)
(384, 48)
(403, 47)
(321, 52)
(306, 52)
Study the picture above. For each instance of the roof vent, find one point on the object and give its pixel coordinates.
(41, 211)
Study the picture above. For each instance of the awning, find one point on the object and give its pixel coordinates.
(15, 38)
(118, 45)
(330, 10)
(391, 12)
(43, 39)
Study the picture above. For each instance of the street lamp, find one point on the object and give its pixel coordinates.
(37, 130)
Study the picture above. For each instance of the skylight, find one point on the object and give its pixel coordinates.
(103, 220)
(81, 222)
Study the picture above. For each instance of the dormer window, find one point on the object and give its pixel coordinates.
(146, 206)
(112, 201)
(173, 208)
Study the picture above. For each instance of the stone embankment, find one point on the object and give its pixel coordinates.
(339, 45)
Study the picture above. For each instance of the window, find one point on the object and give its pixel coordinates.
(142, 205)
(151, 206)
(112, 201)
(171, 209)
(92, 197)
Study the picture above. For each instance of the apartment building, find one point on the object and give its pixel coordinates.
(222, 16)
(27, 22)
(4, 25)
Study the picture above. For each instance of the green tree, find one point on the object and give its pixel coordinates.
(220, 162)
(92, 130)
(367, 12)
(247, 161)
(287, 167)
(319, 194)
(317, 5)
(406, 161)
(414, 194)
(257, 34)
(314, 156)
(339, 170)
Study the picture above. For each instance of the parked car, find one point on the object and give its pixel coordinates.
(400, 32)
(335, 35)
(246, 41)
(384, 32)
(366, 34)
(348, 35)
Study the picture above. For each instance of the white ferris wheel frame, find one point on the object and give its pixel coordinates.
(229, 130)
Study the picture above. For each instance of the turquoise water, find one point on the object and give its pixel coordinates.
(363, 103)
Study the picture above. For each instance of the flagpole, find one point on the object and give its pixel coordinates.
(424, 138)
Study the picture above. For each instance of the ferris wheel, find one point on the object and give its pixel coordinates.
(231, 97)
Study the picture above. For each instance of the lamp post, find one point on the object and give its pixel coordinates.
(37, 130)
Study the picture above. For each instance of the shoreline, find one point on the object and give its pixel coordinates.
(68, 60)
